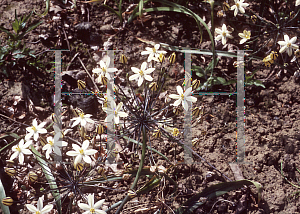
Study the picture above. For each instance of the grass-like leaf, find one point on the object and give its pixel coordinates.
(5, 209)
(49, 177)
(214, 191)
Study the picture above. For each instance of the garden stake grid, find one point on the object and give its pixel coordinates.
(58, 103)
(240, 143)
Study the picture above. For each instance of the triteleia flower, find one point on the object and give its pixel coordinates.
(114, 112)
(103, 71)
(245, 36)
(82, 119)
(53, 145)
(153, 53)
(297, 3)
(82, 152)
(20, 150)
(224, 34)
(239, 6)
(183, 97)
(141, 74)
(35, 130)
(39, 209)
(92, 208)
(288, 45)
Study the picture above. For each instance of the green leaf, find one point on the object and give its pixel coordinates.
(200, 72)
(19, 56)
(154, 182)
(6, 31)
(148, 147)
(214, 191)
(141, 6)
(30, 28)
(5, 209)
(50, 178)
(258, 83)
(9, 134)
(16, 26)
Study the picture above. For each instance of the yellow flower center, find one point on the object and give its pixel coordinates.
(182, 96)
(141, 73)
(34, 129)
(154, 50)
(18, 149)
(92, 210)
(81, 151)
(175, 132)
(224, 34)
(37, 212)
(237, 4)
(289, 45)
(51, 142)
(81, 115)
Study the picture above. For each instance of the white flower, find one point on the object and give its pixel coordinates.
(288, 45)
(92, 208)
(114, 112)
(239, 6)
(141, 74)
(245, 36)
(153, 53)
(82, 119)
(297, 3)
(53, 145)
(183, 97)
(35, 130)
(20, 150)
(39, 209)
(82, 152)
(103, 70)
(224, 34)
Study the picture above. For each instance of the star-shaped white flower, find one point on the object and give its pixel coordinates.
(82, 119)
(39, 209)
(245, 36)
(92, 208)
(239, 6)
(103, 70)
(20, 150)
(35, 130)
(153, 53)
(53, 145)
(288, 45)
(82, 152)
(141, 74)
(297, 3)
(183, 97)
(224, 34)
(114, 112)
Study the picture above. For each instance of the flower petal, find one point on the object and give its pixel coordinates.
(91, 200)
(87, 159)
(179, 90)
(140, 81)
(85, 144)
(90, 152)
(72, 153)
(47, 208)
(134, 76)
(99, 204)
(144, 66)
(31, 208)
(84, 206)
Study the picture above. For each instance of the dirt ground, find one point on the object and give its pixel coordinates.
(272, 119)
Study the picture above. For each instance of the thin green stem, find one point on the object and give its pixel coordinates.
(127, 198)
